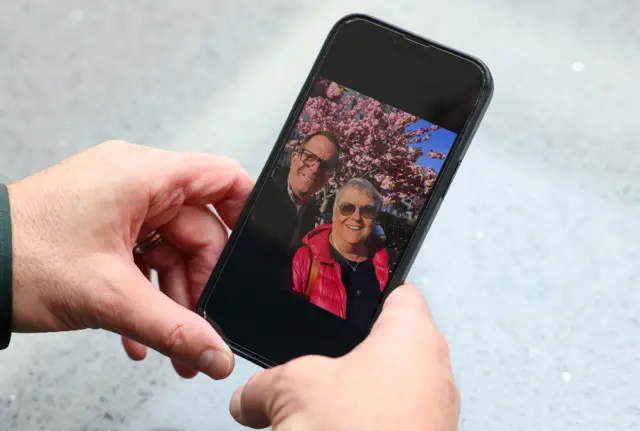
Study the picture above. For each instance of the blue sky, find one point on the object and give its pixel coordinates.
(441, 140)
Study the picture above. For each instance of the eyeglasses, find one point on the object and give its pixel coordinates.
(309, 158)
(366, 211)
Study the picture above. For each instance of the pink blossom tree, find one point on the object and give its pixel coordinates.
(375, 144)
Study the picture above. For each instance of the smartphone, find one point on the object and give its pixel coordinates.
(348, 193)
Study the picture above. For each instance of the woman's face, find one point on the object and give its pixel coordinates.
(354, 216)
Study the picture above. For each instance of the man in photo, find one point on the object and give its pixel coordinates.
(286, 209)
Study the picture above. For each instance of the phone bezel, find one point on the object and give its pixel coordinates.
(429, 211)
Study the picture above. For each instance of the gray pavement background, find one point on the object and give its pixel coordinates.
(531, 267)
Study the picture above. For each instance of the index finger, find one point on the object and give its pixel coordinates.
(201, 179)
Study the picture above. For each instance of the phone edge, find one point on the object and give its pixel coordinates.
(431, 209)
(451, 165)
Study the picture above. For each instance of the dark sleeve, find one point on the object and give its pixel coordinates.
(6, 269)
(261, 211)
(310, 220)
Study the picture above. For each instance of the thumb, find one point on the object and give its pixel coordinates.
(405, 315)
(403, 304)
(277, 395)
(251, 403)
(144, 314)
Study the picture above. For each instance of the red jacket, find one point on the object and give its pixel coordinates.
(328, 291)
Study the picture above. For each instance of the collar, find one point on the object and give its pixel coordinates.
(293, 198)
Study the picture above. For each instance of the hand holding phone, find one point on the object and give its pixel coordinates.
(399, 378)
(348, 193)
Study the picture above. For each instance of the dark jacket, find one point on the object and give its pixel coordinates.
(275, 213)
(266, 245)
(328, 292)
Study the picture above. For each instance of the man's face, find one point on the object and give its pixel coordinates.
(312, 167)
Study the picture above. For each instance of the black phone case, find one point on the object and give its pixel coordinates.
(430, 210)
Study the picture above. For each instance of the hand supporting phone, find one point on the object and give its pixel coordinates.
(348, 193)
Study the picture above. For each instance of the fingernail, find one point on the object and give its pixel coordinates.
(215, 364)
(235, 407)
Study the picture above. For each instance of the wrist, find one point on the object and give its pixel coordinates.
(29, 264)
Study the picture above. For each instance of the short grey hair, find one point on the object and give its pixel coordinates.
(363, 186)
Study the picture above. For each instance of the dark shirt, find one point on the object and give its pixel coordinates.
(362, 286)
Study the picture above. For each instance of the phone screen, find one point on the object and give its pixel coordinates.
(342, 196)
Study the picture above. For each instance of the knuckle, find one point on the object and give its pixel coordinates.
(290, 388)
(167, 199)
(110, 153)
(229, 161)
(226, 163)
(298, 378)
(174, 340)
(233, 166)
(287, 381)
(238, 168)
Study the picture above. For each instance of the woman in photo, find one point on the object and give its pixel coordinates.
(343, 267)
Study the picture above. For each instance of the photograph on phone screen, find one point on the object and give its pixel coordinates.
(342, 202)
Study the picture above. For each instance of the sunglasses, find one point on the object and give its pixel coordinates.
(366, 211)
(309, 158)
